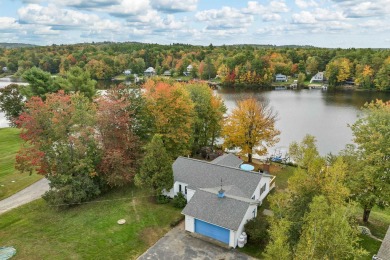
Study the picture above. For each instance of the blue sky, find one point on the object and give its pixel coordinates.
(322, 23)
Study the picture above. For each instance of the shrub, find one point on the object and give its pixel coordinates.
(256, 229)
(162, 199)
(179, 201)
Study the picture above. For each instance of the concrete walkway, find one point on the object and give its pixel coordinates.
(32, 192)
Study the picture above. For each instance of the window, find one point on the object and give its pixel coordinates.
(179, 187)
(263, 189)
(254, 213)
(254, 197)
(185, 190)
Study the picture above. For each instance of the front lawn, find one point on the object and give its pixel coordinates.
(88, 231)
(11, 181)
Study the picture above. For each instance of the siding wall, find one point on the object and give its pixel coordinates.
(189, 224)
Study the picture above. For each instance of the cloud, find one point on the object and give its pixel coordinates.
(271, 17)
(63, 19)
(303, 4)
(174, 6)
(9, 24)
(224, 19)
(304, 17)
(364, 8)
(278, 7)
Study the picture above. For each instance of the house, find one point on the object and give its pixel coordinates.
(149, 72)
(189, 70)
(127, 72)
(221, 197)
(384, 250)
(280, 78)
(167, 73)
(4, 69)
(319, 78)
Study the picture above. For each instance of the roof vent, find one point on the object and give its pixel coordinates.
(221, 192)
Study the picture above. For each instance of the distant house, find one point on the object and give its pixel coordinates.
(189, 70)
(318, 78)
(149, 72)
(4, 69)
(167, 73)
(221, 197)
(280, 78)
(127, 72)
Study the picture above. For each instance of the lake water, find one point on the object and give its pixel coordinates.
(324, 114)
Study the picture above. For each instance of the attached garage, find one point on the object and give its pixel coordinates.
(213, 231)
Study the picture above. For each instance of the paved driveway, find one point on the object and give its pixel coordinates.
(32, 192)
(179, 244)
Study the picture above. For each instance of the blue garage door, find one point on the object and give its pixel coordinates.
(213, 231)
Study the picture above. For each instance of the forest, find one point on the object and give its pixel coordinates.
(241, 66)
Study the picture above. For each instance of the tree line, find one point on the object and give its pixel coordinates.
(235, 66)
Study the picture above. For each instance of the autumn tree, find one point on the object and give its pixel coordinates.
(327, 233)
(208, 120)
(172, 113)
(119, 144)
(382, 78)
(156, 167)
(11, 102)
(312, 219)
(370, 180)
(338, 70)
(80, 81)
(59, 137)
(250, 127)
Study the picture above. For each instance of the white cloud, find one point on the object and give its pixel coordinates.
(8, 24)
(303, 4)
(173, 6)
(271, 17)
(304, 17)
(278, 7)
(224, 19)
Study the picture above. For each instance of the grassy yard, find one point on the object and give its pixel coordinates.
(11, 181)
(88, 231)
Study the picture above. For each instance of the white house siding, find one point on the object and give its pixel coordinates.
(232, 239)
(175, 190)
(248, 216)
(264, 180)
(189, 224)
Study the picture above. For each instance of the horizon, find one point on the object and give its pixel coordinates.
(322, 24)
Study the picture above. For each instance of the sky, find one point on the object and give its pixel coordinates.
(321, 23)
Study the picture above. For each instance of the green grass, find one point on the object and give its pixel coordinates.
(11, 181)
(370, 245)
(88, 231)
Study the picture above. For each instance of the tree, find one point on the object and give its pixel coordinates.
(304, 152)
(156, 167)
(370, 182)
(327, 233)
(278, 248)
(382, 79)
(80, 81)
(119, 144)
(172, 113)
(301, 79)
(59, 137)
(338, 71)
(250, 127)
(209, 110)
(11, 102)
(40, 82)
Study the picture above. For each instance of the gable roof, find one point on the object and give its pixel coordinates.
(208, 207)
(384, 250)
(201, 174)
(228, 159)
(150, 69)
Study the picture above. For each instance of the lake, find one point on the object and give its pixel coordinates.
(324, 114)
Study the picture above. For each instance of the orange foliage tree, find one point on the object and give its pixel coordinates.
(251, 128)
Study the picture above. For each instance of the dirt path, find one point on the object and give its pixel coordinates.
(32, 192)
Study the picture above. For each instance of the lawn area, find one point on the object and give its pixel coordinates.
(88, 231)
(370, 245)
(11, 180)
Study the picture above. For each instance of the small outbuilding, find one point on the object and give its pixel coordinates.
(318, 78)
(167, 73)
(4, 69)
(127, 72)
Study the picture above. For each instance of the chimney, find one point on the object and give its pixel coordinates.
(221, 192)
